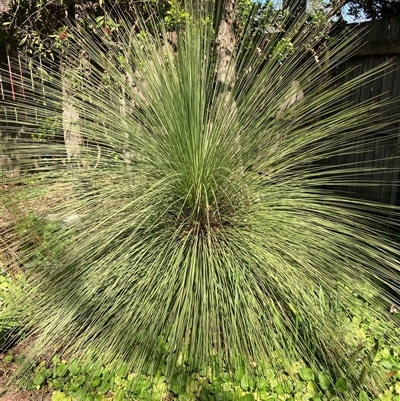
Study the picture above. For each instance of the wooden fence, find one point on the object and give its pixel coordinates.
(14, 76)
(379, 159)
(10, 161)
(15, 82)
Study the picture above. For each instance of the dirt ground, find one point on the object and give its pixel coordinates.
(9, 392)
(9, 261)
(12, 212)
(25, 396)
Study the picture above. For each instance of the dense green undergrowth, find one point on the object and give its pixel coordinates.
(82, 380)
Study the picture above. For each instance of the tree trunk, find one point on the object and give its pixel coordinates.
(70, 118)
(226, 68)
(72, 136)
(226, 42)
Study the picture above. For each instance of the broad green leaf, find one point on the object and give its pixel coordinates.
(262, 383)
(324, 381)
(61, 370)
(96, 382)
(306, 374)
(204, 394)
(247, 382)
(105, 387)
(215, 388)
(39, 379)
(60, 396)
(222, 396)
(57, 383)
(80, 394)
(341, 385)
(279, 389)
(264, 395)
(273, 383)
(74, 367)
(387, 364)
(239, 373)
(384, 353)
(311, 387)
(385, 397)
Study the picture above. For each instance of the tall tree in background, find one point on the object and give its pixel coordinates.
(369, 9)
(374, 9)
(295, 6)
(33, 25)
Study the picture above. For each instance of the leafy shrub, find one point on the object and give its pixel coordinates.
(214, 236)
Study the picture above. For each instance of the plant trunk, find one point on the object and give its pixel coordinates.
(226, 42)
(72, 136)
(225, 66)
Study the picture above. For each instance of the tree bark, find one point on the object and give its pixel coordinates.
(226, 69)
(72, 137)
(226, 42)
(70, 118)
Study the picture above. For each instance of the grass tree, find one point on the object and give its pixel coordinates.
(222, 237)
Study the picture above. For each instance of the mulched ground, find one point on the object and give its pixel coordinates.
(11, 392)
(13, 210)
(9, 261)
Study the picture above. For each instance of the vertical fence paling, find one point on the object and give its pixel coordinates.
(20, 74)
(16, 86)
(1, 87)
(11, 77)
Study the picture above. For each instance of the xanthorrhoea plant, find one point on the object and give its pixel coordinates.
(199, 221)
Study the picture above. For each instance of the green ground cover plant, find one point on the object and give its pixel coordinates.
(83, 379)
(197, 236)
